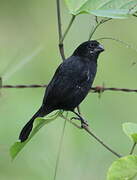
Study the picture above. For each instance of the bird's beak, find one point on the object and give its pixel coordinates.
(100, 48)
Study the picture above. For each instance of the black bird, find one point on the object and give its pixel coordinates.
(70, 83)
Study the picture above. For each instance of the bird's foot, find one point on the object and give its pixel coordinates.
(75, 118)
(83, 121)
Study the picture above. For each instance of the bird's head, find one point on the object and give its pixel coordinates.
(89, 49)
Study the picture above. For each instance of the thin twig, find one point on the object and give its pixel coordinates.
(97, 25)
(96, 19)
(70, 121)
(105, 20)
(61, 35)
(93, 31)
(133, 147)
(59, 150)
(61, 45)
(67, 29)
(78, 109)
(61, 49)
(89, 131)
(127, 45)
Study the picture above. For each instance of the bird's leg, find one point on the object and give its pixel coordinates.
(78, 109)
(83, 121)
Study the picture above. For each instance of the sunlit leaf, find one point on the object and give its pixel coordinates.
(112, 13)
(103, 8)
(124, 168)
(130, 130)
(38, 124)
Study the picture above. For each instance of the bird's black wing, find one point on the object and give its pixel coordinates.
(69, 85)
(53, 83)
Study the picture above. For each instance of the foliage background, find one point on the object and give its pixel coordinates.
(29, 25)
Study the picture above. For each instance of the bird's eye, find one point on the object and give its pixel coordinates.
(91, 46)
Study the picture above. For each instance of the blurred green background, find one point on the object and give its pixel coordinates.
(28, 34)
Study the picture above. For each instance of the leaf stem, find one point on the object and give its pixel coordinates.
(70, 121)
(67, 29)
(97, 25)
(61, 39)
(133, 148)
(93, 31)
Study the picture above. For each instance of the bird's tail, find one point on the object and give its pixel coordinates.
(28, 127)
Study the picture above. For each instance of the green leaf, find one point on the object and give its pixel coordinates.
(130, 130)
(38, 124)
(112, 13)
(124, 168)
(104, 8)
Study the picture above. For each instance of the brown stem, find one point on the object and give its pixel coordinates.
(61, 48)
(61, 45)
(78, 108)
(89, 131)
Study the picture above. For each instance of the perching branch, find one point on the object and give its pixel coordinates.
(90, 132)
